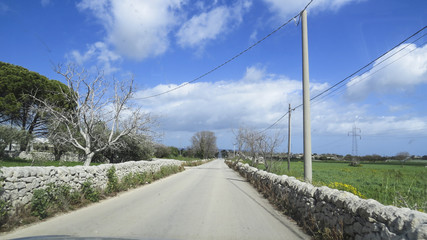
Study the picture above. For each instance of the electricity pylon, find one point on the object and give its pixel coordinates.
(355, 133)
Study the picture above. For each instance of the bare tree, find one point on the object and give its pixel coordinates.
(267, 146)
(240, 141)
(403, 157)
(99, 117)
(204, 144)
(258, 144)
(251, 143)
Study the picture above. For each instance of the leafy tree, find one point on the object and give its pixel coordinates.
(8, 135)
(133, 148)
(174, 152)
(18, 87)
(204, 144)
(161, 151)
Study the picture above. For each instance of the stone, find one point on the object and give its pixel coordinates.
(28, 179)
(9, 186)
(19, 185)
(369, 208)
(386, 234)
(357, 227)
(26, 199)
(398, 224)
(6, 172)
(419, 233)
(22, 192)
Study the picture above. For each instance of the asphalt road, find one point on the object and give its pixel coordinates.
(206, 202)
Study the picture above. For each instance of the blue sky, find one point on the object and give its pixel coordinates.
(165, 43)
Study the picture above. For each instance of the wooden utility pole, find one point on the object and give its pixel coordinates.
(306, 100)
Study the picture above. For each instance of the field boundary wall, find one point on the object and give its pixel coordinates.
(341, 211)
(19, 183)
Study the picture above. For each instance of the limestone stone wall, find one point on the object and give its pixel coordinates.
(323, 207)
(19, 182)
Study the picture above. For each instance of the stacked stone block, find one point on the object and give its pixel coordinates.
(19, 182)
(341, 211)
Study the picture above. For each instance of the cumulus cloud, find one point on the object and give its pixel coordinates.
(210, 24)
(401, 72)
(288, 8)
(136, 29)
(257, 99)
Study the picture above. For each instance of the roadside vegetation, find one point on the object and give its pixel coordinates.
(56, 199)
(389, 183)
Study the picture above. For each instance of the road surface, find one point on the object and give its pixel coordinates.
(210, 201)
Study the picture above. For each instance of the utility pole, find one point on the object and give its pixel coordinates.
(289, 137)
(306, 100)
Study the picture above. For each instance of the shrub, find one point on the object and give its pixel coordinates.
(4, 206)
(75, 198)
(90, 193)
(355, 164)
(113, 181)
(40, 203)
(54, 196)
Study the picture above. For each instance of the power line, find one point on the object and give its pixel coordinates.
(229, 60)
(367, 65)
(372, 73)
(354, 73)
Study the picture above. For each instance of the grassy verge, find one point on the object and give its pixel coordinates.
(18, 162)
(181, 158)
(390, 184)
(55, 199)
(191, 162)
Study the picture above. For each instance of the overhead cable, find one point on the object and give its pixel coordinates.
(229, 60)
(367, 65)
(356, 72)
(377, 70)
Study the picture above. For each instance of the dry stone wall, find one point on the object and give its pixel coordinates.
(19, 182)
(325, 208)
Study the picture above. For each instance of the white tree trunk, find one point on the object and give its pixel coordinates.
(88, 159)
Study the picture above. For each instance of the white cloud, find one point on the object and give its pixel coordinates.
(99, 54)
(289, 8)
(407, 69)
(258, 99)
(136, 29)
(211, 24)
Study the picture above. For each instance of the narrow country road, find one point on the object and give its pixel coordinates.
(206, 202)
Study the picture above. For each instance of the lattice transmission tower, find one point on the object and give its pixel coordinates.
(355, 133)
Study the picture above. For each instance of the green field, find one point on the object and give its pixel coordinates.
(388, 183)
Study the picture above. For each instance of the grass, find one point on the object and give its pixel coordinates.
(390, 184)
(181, 158)
(19, 162)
